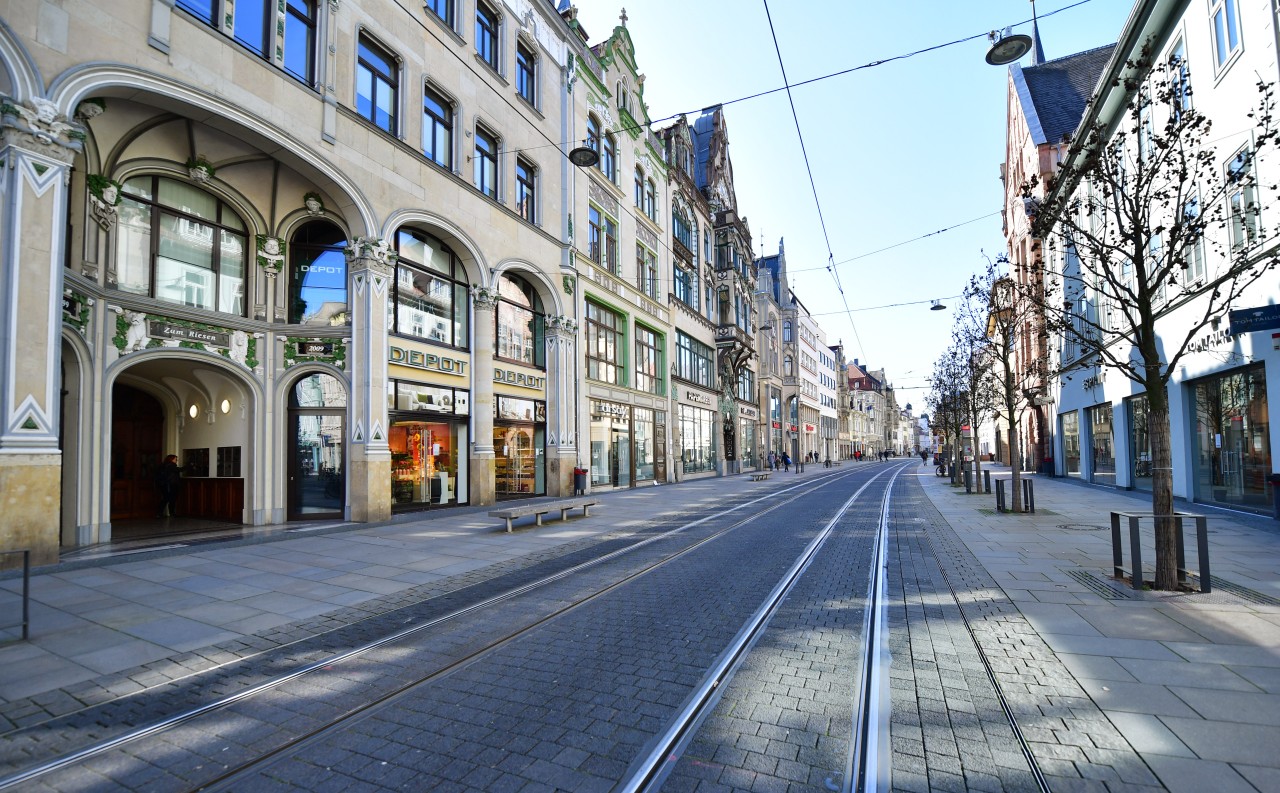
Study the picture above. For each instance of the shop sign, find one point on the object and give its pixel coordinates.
(694, 396)
(70, 305)
(163, 330)
(315, 348)
(419, 359)
(1250, 319)
(794, 428)
(810, 428)
(777, 425)
(609, 409)
(519, 379)
(1211, 340)
(748, 412)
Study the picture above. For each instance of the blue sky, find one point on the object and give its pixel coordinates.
(897, 150)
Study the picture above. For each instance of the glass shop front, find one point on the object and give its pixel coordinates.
(428, 439)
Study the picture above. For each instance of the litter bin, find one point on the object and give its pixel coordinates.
(579, 481)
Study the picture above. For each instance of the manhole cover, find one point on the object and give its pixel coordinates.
(1082, 527)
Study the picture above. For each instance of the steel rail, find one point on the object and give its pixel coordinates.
(867, 767)
(649, 771)
(177, 719)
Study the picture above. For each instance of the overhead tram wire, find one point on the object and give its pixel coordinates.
(883, 61)
(812, 184)
(900, 244)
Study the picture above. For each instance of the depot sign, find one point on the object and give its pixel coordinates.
(419, 359)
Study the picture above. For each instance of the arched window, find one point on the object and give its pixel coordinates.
(318, 275)
(650, 192)
(430, 294)
(318, 391)
(609, 158)
(786, 330)
(639, 187)
(520, 322)
(179, 244)
(593, 134)
(680, 228)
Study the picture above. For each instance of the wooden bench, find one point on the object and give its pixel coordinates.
(541, 508)
(759, 476)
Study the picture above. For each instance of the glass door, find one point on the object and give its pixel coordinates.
(1233, 442)
(317, 476)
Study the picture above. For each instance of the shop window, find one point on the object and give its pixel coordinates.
(181, 245)
(520, 323)
(430, 292)
(318, 276)
(318, 391)
(698, 446)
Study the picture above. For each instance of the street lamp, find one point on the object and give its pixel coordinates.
(584, 156)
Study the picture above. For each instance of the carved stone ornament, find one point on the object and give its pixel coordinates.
(200, 173)
(271, 251)
(562, 324)
(44, 128)
(569, 281)
(315, 206)
(378, 250)
(104, 197)
(90, 109)
(602, 110)
(483, 297)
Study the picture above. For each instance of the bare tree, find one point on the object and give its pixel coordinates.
(948, 399)
(1148, 224)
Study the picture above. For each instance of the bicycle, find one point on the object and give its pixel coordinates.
(940, 470)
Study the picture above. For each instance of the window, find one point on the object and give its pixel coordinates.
(318, 276)
(437, 128)
(252, 21)
(646, 271)
(695, 361)
(609, 158)
(603, 239)
(520, 322)
(1180, 78)
(697, 439)
(680, 228)
(430, 300)
(593, 134)
(1226, 32)
(487, 35)
(376, 85)
(177, 243)
(746, 386)
(639, 188)
(604, 344)
(526, 190)
(442, 9)
(1242, 200)
(686, 286)
(526, 74)
(300, 39)
(786, 330)
(648, 360)
(706, 245)
(204, 9)
(486, 163)
(650, 206)
(1193, 262)
(788, 366)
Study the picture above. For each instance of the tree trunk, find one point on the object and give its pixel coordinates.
(1162, 490)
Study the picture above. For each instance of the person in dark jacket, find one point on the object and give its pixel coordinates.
(786, 461)
(169, 483)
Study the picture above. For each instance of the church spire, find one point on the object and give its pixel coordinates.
(1037, 51)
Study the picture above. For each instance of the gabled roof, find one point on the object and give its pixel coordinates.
(1053, 95)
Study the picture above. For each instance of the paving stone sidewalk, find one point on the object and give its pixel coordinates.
(1122, 690)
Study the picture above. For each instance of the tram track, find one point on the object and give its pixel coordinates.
(159, 727)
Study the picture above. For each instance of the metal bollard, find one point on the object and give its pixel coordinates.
(986, 482)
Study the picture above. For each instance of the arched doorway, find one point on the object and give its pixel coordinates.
(317, 449)
(137, 438)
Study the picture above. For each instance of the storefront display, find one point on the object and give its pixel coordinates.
(698, 446)
(1232, 439)
(1071, 443)
(610, 444)
(1139, 444)
(1102, 458)
(428, 440)
(519, 445)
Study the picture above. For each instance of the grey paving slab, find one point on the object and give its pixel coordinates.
(1183, 775)
(1231, 742)
(1185, 673)
(1148, 734)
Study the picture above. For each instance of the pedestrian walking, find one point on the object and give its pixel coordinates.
(924, 456)
(786, 461)
(772, 460)
(168, 483)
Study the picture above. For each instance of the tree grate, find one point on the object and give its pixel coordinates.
(1244, 593)
(1100, 587)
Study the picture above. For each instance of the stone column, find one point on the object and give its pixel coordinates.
(369, 456)
(37, 147)
(485, 302)
(562, 401)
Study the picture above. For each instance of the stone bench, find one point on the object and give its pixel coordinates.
(543, 507)
(759, 476)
